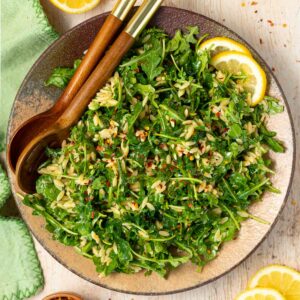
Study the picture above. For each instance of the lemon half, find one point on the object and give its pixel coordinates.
(75, 6)
(260, 294)
(284, 279)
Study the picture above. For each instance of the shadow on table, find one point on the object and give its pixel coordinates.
(10, 209)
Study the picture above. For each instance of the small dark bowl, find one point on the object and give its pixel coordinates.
(63, 296)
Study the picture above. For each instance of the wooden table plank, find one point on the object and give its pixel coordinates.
(279, 45)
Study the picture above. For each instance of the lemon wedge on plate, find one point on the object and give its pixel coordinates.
(260, 294)
(75, 6)
(238, 63)
(220, 44)
(284, 279)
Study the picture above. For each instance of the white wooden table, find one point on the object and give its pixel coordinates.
(279, 45)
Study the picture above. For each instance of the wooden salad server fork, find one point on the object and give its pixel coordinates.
(55, 131)
(30, 128)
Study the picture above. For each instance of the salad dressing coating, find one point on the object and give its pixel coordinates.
(164, 163)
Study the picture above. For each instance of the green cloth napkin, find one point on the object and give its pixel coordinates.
(20, 272)
(4, 187)
(25, 33)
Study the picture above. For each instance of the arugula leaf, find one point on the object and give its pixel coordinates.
(136, 112)
(45, 186)
(235, 131)
(150, 64)
(180, 44)
(145, 89)
(190, 35)
(99, 183)
(274, 106)
(175, 42)
(60, 77)
(125, 255)
(274, 144)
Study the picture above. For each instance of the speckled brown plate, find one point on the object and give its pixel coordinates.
(33, 97)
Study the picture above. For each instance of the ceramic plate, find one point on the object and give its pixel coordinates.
(33, 97)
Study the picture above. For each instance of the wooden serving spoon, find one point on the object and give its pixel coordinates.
(55, 131)
(29, 129)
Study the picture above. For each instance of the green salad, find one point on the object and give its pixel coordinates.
(163, 165)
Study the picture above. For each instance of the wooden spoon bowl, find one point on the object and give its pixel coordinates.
(82, 87)
(35, 125)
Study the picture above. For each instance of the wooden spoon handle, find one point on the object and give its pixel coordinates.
(102, 40)
(109, 62)
(97, 79)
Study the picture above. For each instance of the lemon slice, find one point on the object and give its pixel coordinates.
(260, 294)
(220, 44)
(75, 6)
(241, 64)
(283, 279)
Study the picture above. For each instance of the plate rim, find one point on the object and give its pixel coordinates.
(266, 66)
